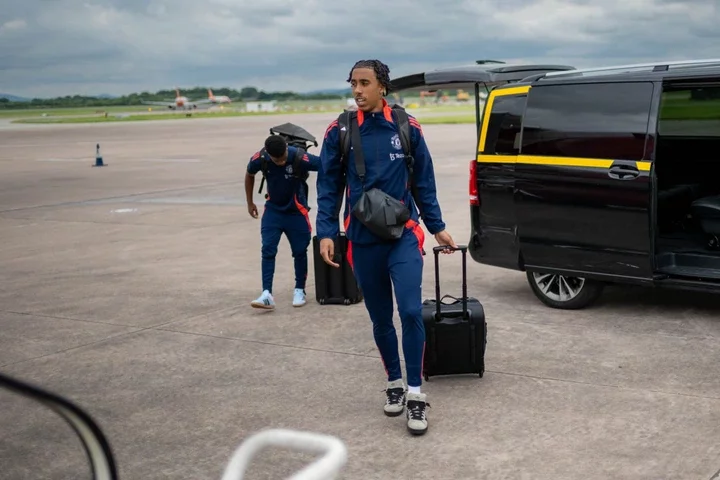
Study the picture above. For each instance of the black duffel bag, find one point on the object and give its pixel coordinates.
(383, 215)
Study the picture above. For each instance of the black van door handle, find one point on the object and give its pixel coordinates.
(623, 172)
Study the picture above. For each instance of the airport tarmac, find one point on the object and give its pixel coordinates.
(126, 288)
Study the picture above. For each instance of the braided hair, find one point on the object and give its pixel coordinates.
(382, 71)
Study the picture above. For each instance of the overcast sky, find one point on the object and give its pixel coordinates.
(59, 47)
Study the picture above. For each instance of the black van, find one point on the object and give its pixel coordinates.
(596, 176)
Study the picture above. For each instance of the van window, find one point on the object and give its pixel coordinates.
(688, 110)
(504, 125)
(599, 120)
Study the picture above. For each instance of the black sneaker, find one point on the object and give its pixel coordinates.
(395, 402)
(416, 413)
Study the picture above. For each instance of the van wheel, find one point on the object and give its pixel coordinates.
(562, 291)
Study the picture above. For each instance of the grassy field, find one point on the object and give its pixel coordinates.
(65, 112)
(462, 112)
(446, 119)
(114, 118)
(97, 114)
(686, 109)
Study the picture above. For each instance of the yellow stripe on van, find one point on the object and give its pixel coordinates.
(511, 91)
(565, 161)
(489, 105)
(557, 161)
(497, 158)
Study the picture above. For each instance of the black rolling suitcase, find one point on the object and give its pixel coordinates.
(455, 332)
(335, 286)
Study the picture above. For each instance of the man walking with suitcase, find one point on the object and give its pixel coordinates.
(286, 211)
(383, 258)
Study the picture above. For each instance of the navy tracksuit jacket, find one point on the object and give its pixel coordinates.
(380, 265)
(286, 211)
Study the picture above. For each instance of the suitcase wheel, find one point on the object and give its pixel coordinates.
(346, 301)
(322, 301)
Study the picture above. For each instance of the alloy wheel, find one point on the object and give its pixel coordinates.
(559, 288)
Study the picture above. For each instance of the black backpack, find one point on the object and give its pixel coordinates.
(401, 118)
(298, 172)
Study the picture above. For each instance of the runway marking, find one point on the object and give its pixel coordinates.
(124, 210)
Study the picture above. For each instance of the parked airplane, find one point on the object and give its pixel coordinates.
(180, 103)
(218, 98)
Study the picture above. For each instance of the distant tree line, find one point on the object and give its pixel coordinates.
(196, 93)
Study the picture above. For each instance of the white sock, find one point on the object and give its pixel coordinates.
(413, 389)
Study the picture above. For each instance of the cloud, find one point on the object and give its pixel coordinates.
(62, 47)
(13, 25)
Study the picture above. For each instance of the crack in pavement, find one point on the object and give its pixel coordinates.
(59, 317)
(162, 327)
(131, 224)
(498, 372)
(135, 329)
(11, 364)
(118, 197)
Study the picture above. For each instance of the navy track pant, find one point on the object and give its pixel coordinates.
(297, 229)
(379, 269)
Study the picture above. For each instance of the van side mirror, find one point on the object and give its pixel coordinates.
(96, 446)
(332, 451)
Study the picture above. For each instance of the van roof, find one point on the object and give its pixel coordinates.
(466, 76)
(633, 72)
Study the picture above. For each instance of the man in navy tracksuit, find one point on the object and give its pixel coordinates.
(286, 211)
(381, 265)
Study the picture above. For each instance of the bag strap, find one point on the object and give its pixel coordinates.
(343, 121)
(354, 129)
(263, 168)
(343, 124)
(299, 154)
(403, 122)
(455, 299)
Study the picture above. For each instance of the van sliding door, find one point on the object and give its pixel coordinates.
(583, 180)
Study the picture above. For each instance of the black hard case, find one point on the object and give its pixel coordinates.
(455, 332)
(335, 286)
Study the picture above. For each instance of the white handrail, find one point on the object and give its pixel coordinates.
(325, 468)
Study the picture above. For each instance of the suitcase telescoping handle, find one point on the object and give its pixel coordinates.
(436, 251)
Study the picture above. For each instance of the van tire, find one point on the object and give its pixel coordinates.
(582, 292)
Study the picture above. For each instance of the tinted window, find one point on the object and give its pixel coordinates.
(504, 125)
(690, 111)
(607, 120)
